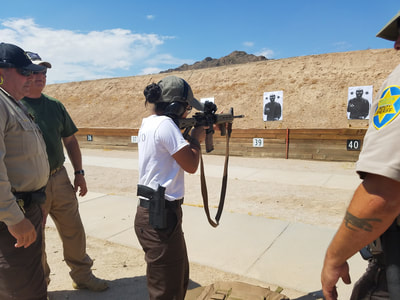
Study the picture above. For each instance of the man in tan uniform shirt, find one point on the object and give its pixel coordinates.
(372, 212)
(24, 172)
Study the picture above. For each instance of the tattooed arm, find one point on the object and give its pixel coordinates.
(373, 208)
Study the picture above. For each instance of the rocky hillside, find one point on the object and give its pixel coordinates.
(235, 58)
(315, 90)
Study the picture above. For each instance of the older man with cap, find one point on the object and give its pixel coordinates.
(61, 202)
(24, 171)
(164, 156)
(372, 217)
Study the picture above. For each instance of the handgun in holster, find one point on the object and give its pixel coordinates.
(391, 251)
(157, 211)
(388, 247)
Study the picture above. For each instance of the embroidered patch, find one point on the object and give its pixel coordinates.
(388, 107)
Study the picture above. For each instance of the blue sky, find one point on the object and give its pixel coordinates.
(87, 40)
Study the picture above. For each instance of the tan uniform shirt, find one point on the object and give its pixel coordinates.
(381, 149)
(23, 159)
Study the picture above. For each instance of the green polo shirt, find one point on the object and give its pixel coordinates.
(54, 122)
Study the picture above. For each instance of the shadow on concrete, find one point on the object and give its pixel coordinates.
(121, 289)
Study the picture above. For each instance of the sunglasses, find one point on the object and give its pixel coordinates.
(44, 72)
(24, 72)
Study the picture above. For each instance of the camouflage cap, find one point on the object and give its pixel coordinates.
(391, 30)
(37, 60)
(176, 89)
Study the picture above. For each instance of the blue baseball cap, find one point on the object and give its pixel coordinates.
(12, 56)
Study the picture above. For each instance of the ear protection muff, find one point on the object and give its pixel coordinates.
(175, 109)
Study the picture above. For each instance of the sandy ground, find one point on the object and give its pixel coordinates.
(124, 267)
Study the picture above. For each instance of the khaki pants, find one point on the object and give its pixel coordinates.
(62, 206)
(165, 255)
(21, 272)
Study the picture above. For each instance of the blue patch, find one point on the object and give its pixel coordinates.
(388, 107)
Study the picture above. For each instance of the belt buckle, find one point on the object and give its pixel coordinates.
(52, 172)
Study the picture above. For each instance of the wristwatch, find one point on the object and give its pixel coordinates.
(82, 172)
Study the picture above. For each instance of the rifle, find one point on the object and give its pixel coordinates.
(208, 118)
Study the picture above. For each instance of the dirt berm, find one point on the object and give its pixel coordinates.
(315, 90)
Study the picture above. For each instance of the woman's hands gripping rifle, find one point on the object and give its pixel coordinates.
(208, 118)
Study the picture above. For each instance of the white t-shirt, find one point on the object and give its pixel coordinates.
(380, 153)
(159, 138)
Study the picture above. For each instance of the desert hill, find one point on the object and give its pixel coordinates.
(314, 89)
(236, 57)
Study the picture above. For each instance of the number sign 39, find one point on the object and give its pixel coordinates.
(258, 142)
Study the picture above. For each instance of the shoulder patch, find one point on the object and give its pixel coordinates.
(388, 107)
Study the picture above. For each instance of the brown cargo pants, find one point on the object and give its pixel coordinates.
(21, 272)
(165, 255)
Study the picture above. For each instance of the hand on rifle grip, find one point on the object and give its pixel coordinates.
(222, 128)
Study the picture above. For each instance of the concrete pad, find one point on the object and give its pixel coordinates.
(301, 248)
(234, 245)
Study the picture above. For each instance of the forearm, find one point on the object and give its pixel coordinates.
(374, 206)
(74, 153)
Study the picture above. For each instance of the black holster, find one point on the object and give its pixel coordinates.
(157, 210)
(391, 250)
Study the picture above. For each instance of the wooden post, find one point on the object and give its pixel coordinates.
(287, 143)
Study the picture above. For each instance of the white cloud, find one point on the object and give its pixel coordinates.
(77, 56)
(248, 44)
(268, 53)
(342, 46)
(150, 17)
(150, 70)
(167, 59)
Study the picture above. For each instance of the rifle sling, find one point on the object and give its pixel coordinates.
(204, 191)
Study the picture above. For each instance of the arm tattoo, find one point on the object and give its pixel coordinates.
(352, 222)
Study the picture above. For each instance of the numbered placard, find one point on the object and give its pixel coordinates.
(353, 145)
(134, 139)
(258, 142)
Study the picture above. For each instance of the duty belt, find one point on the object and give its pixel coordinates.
(168, 204)
(26, 199)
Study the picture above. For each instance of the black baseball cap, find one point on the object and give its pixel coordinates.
(12, 56)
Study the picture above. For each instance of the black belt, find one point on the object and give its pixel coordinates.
(29, 198)
(168, 204)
